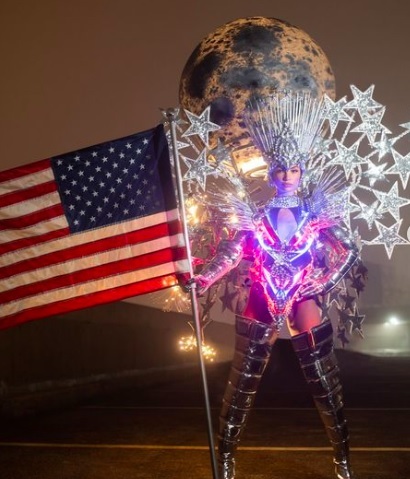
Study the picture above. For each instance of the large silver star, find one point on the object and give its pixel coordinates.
(385, 144)
(363, 100)
(391, 202)
(200, 125)
(334, 112)
(375, 173)
(389, 237)
(220, 153)
(401, 167)
(370, 213)
(199, 169)
(180, 144)
(347, 157)
(371, 125)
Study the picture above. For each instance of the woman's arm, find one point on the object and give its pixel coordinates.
(345, 252)
(228, 255)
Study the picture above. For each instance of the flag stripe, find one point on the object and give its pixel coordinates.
(142, 237)
(26, 175)
(108, 265)
(61, 243)
(84, 262)
(90, 299)
(34, 232)
(35, 204)
(31, 219)
(25, 244)
(101, 284)
(27, 193)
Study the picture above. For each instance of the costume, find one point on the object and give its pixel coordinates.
(279, 270)
(281, 267)
(293, 128)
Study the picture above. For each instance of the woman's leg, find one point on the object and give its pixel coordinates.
(253, 344)
(313, 344)
(305, 316)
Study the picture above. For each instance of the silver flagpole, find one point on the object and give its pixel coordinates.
(171, 115)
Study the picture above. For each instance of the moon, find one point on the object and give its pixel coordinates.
(249, 56)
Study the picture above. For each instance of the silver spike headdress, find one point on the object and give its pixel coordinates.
(285, 127)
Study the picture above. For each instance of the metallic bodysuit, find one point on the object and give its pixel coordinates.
(280, 270)
(281, 267)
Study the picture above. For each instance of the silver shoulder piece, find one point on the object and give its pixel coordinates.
(232, 211)
(329, 200)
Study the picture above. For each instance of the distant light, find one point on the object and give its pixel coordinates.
(392, 321)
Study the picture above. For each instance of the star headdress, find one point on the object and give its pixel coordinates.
(285, 127)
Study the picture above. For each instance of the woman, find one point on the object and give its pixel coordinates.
(284, 242)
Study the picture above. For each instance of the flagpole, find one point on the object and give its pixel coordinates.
(171, 115)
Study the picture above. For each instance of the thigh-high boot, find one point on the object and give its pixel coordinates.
(253, 346)
(319, 364)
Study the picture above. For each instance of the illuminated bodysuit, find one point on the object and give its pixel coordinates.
(281, 269)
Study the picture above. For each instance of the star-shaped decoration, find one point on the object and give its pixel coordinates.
(341, 336)
(353, 208)
(325, 307)
(357, 321)
(406, 126)
(349, 301)
(322, 148)
(385, 144)
(180, 144)
(333, 296)
(220, 153)
(357, 283)
(344, 318)
(188, 161)
(347, 157)
(363, 100)
(334, 112)
(391, 202)
(200, 125)
(227, 299)
(401, 167)
(361, 270)
(370, 213)
(389, 237)
(371, 125)
(199, 169)
(375, 173)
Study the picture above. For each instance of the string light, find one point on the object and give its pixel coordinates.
(189, 343)
(176, 300)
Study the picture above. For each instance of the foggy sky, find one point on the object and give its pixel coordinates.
(86, 71)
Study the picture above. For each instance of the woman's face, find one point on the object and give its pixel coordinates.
(286, 182)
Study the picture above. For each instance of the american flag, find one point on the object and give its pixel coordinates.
(93, 226)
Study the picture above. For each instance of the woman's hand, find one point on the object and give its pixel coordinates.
(199, 282)
(311, 288)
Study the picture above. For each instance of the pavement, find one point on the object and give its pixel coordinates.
(158, 428)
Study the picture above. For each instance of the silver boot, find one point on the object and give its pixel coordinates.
(253, 346)
(319, 365)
